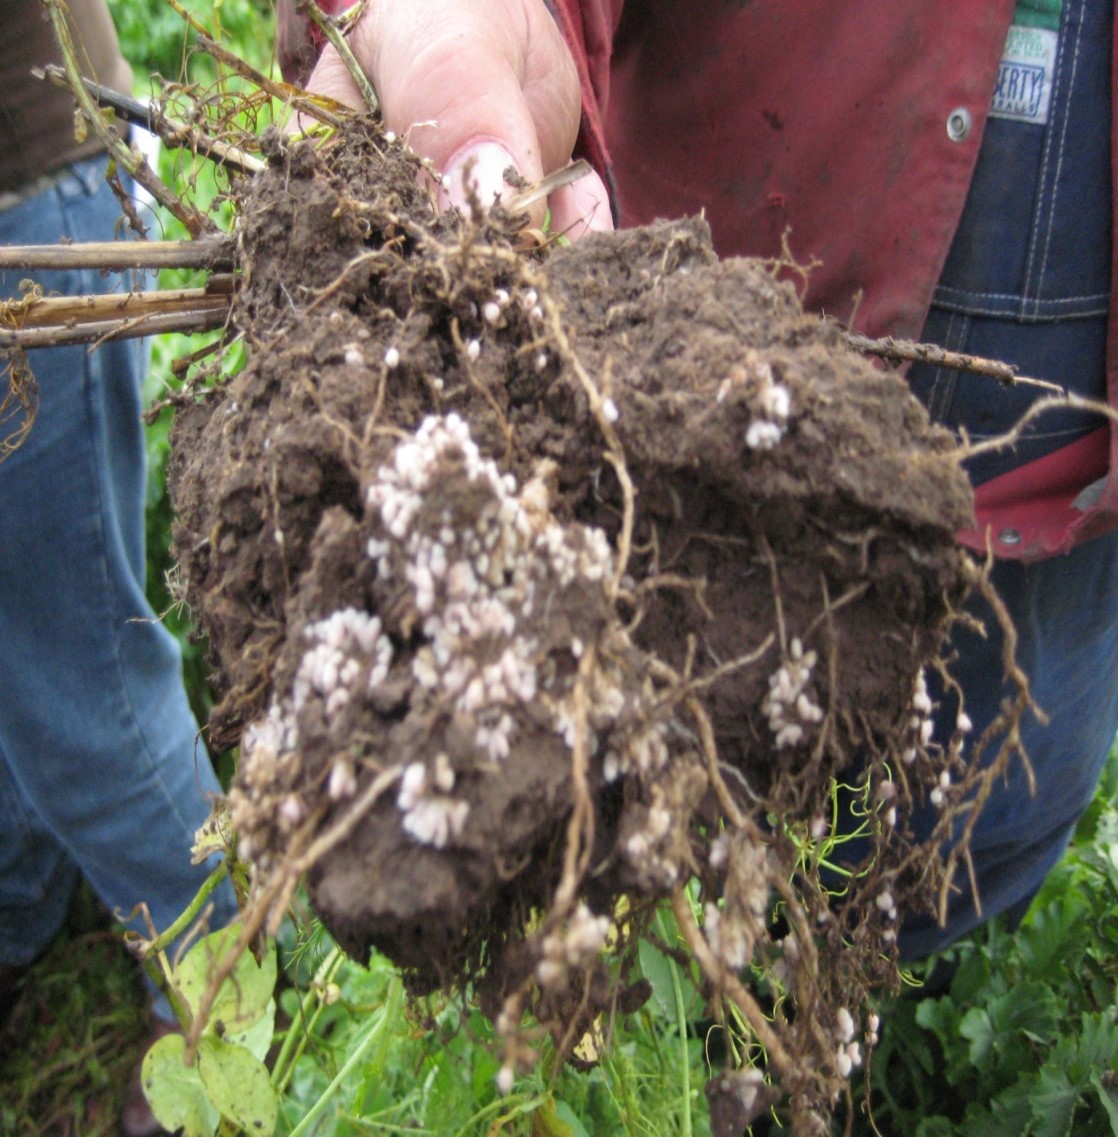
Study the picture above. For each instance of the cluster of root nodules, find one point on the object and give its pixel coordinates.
(547, 587)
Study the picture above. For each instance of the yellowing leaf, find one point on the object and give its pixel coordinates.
(244, 996)
(237, 1083)
(175, 1092)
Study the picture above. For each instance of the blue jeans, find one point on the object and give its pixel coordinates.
(1027, 279)
(101, 768)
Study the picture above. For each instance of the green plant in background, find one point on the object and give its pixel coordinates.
(155, 40)
(1024, 1041)
(366, 1063)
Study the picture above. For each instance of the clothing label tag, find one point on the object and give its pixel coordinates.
(1024, 86)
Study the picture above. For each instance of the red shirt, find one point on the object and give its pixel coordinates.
(837, 124)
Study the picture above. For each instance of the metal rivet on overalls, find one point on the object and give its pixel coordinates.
(959, 122)
(1009, 537)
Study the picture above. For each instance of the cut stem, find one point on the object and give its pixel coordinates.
(545, 187)
(337, 40)
(98, 331)
(210, 252)
(72, 310)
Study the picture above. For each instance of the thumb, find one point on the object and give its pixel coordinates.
(477, 86)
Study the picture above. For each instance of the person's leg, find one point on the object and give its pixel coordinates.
(102, 766)
(1065, 611)
(37, 879)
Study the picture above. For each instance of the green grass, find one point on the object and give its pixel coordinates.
(1025, 1038)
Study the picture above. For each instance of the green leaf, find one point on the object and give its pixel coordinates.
(977, 1027)
(1054, 937)
(935, 1127)
(237, 1083)
(1053, 1100)
(941, 1017)
(244, 996)
(175, 1092)
(912, 1047)
(657, 969)
(972, 978)
(448, 1103)
(1109, 1099)
(257, 1039)
(486, 1066)
(547, 1123)
(1029, 1009)
(1009, 1114)
(1101, 867)
(566, 1115)
(1096, 1048)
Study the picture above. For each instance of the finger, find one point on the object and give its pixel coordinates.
(331, 78)
(475, 87)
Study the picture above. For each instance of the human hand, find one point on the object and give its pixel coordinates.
(476, 86)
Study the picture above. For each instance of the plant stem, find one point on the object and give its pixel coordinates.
(152, 953)
(51, 311)
(545, 187)
(127, 158)
(681, 1017)
(907, 351)
(296, 1038)
(388, 1013)
(56, 335)
(330, 30)
(174, 134)
(167, 937)
(211, 252)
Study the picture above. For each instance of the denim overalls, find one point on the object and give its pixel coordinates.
(1027, 280)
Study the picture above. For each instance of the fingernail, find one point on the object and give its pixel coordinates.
(478, 168)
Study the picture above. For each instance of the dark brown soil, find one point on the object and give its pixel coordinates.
(530, 575)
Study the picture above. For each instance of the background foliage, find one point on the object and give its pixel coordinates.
(1024, 1040)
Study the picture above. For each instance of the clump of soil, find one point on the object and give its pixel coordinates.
(545, 581)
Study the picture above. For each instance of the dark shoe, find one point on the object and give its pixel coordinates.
(136, 1118)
